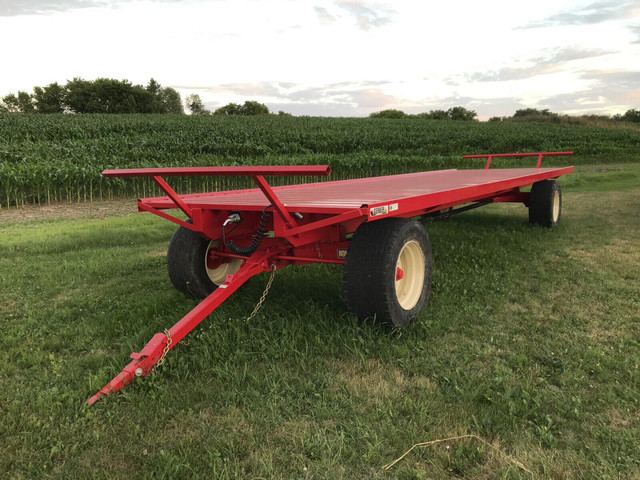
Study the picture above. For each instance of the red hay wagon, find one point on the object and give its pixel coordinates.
(371, 225)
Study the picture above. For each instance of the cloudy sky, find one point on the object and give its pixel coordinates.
(338, 57)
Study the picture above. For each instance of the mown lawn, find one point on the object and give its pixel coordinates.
(531, 341)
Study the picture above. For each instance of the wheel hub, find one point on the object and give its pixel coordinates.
(409, 275)
(218, 268)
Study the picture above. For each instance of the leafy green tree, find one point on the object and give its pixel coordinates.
(533, 112)
(81, 97)
(25, 101)
(195, 105)
(434, 115)
(461, 113)
(171, 101)
(10, 103)
(153, 87)
(252, 107)
(120, 96)
(49, 99)
(229, 109)
(632, 115)
(21, 103)
(160, 100)
(389, 113)
(107, 95)
(103, 95)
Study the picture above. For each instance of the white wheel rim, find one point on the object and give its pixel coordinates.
(219, 274)
(556, 206)
(409, 275)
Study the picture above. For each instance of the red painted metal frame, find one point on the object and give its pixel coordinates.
(503, 155)
(173, 195)
(299, 170)
(144, 361)
(318, 236)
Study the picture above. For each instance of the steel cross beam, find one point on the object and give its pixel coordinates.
(173, 195)
(274, 200)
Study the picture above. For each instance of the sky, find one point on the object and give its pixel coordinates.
(338, 57)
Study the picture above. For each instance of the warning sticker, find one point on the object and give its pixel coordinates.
(393, 207)
(376, 211)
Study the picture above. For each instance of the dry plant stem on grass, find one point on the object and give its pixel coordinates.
(450, 439)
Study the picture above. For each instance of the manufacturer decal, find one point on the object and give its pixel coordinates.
(342, 253)
(377, 211)
(393, 207)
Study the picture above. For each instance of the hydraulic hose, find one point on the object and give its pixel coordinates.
(263, 228)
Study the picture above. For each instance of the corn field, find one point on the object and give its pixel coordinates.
(59, 158)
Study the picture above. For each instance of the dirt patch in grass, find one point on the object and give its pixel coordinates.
(372, 378)
(157, 253)
(621, 257)
(98, 209)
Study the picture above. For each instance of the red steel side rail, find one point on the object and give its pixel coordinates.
(496, 155)
(257, 173)
(301, 170)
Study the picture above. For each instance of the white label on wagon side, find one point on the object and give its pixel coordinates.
(393, 207)
(376, 211)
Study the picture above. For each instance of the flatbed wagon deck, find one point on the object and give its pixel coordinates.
(417, 190)
(367, 224)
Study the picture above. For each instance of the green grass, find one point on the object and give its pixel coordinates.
(530, 341)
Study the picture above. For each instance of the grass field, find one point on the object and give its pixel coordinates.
(531, 341)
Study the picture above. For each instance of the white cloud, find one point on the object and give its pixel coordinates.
(343, 57)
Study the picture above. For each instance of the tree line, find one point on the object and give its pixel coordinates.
(250, 107)
(108, 95)
(103, 95)
(522, 115)
(454, 113)
(544, 115)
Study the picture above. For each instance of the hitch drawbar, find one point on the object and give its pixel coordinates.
(154, 351)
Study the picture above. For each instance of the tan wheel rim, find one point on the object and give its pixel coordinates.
(409, 275)
(556, 206)
(219, 274)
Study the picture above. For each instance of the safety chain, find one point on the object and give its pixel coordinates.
(166, 348)
(264, 294)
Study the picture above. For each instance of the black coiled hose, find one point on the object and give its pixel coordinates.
(257, 237)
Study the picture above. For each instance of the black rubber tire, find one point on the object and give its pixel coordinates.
(186, 263)
(370, 270)
(542, 203)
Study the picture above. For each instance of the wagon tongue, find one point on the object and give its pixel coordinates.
(154, 352)
(142, 364)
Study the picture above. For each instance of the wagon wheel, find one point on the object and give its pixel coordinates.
(545, 203)
(190, 270)
(388, 269)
